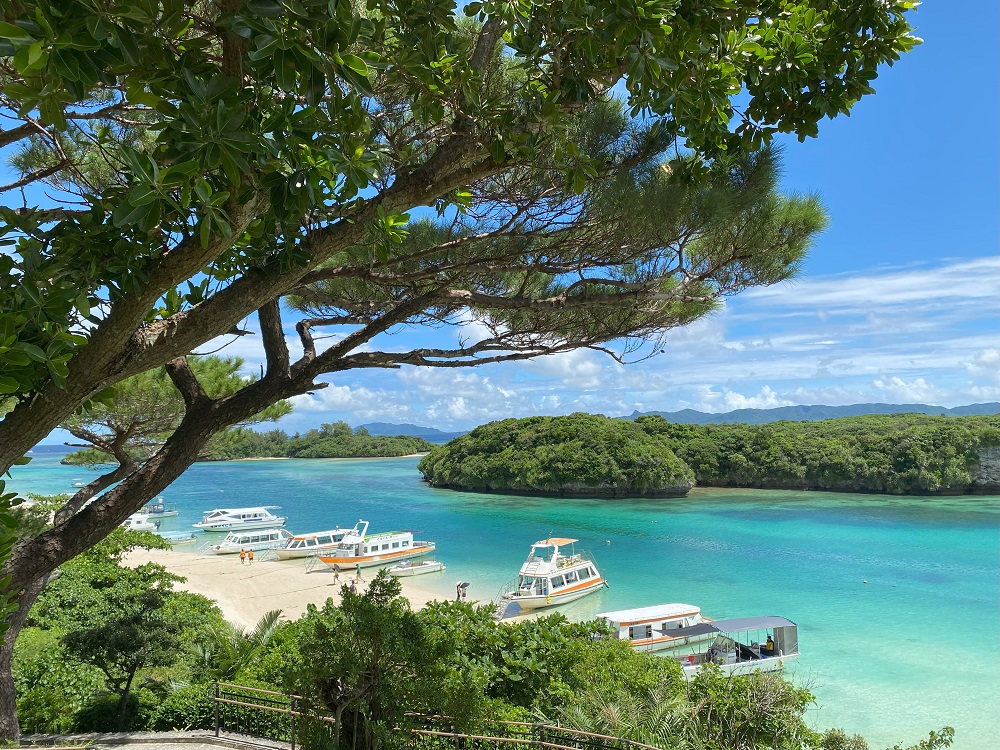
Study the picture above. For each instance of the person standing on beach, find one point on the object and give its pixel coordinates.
(357, 569)
(243, 556)
(250, 556)
(336, 573)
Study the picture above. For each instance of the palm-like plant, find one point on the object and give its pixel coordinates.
(232, 646)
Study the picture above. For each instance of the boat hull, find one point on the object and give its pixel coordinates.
(537, 601)
(227, 526)
(384, 559)
(769, 664)
(294, 554)
(419, 569)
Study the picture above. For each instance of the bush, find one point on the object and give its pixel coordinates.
(189, 707)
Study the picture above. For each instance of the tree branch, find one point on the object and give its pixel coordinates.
(273, 336)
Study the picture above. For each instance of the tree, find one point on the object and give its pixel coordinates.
(208, 159)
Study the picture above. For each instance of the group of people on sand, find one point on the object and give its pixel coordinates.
(246, 555)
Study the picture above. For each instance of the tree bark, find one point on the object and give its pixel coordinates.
(9, 727)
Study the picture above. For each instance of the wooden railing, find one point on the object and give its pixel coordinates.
(265, 714)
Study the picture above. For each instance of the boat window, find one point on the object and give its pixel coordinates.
(557, 582)
(324, 540)
(591, 573)
(631, 632)
(385, 546)
(395, 545)
(571, 576)
(296, 544)
(310, 542)
(406, 544)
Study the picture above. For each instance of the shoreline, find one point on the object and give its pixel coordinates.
(246, 592)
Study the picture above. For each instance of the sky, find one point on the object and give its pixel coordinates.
(898, 302)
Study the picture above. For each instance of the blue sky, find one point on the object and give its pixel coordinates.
(898, 302)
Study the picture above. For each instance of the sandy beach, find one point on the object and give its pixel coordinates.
(246, 592)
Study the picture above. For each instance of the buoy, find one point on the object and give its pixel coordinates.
(865, 581)
(607, 541)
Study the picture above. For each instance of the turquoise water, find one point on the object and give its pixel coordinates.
(914, 649)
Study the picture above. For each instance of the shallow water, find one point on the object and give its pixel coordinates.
(914, 649)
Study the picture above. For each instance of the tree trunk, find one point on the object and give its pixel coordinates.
(10, 730)
(123, 710)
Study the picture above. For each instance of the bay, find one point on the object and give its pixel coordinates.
(915, 648)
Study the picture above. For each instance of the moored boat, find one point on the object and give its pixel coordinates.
(250, 539)
(158, 509)
(238, 519)
(179, 537)
(382, 549)
(310, 545)
(656, 627)
(139, 522)
(408, 568)
(741, 645)
(549, 577)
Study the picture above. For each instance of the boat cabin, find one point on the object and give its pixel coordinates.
(550, 577)
(256, 540)
(327, 538)
(652, 628)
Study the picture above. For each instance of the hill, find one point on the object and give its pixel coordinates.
(430, 434)
(814, 413)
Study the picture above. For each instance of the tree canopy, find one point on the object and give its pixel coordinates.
(203, 161)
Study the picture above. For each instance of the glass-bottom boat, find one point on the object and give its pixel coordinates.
(550, 577)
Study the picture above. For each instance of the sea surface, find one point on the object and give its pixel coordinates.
(896, 598)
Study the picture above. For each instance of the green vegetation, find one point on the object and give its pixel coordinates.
(370, 660)
(897, 454)
(585, 454)
(578, 455)
(335, 440)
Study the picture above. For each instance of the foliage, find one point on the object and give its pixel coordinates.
(590, 454)
(581, 454)
(231, 647)
(187, 707)
(335, 440)
(896, 454)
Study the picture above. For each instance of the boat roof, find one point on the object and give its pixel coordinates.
(672, 609)
(259, 508)
(383, 534)
(735, 625)
(558, 541)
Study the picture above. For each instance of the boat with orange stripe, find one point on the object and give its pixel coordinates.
(656, 627)
(384, 549)
(549, 577)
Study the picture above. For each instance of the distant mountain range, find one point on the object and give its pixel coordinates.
(429, 434)
(814, 413)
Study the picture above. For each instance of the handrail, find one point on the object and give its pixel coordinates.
(593, 740)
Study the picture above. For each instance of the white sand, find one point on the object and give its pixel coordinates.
(246, 592)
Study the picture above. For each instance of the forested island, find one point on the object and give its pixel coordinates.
(591, 455)
(335, 440)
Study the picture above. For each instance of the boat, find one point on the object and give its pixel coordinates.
(179, 537)
(742, 645)
(139, 522)
(158, 509)
(549, 577)
(310, 545)
(237, 519)
(383, 549)
(654, 628)
(408, 568)
(78, 485)
(247, 540)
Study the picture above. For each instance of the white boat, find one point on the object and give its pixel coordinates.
(741, 645)
(79, 484)
(139, 522)
(158, 509)
(247, 540)
(237, 519)
(408, 568)
(383, 549)
(656, 627)
(310, 545)
(179, 537)
(549, 577)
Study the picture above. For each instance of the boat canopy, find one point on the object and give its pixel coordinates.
(655, 612)
(557, 541)
(737, 625)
